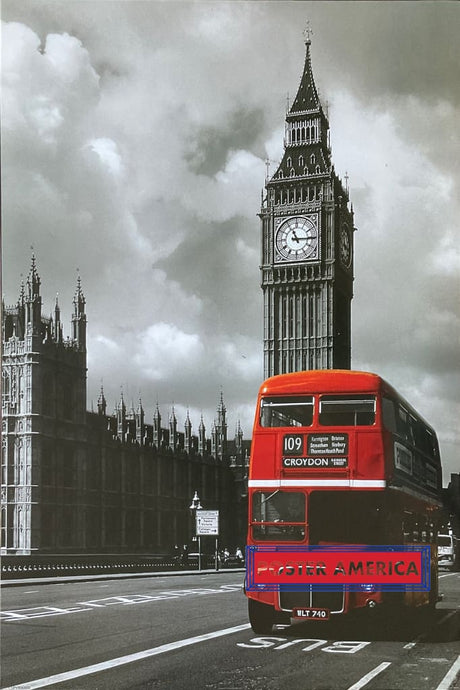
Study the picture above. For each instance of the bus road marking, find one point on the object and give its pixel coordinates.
(337, 647)
(369, 676)
(449, 679)
(127, 659)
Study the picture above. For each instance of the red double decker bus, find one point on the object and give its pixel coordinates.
(339, 458)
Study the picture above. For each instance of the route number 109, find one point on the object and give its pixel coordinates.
(293, 444)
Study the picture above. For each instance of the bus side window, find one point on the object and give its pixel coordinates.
(408, 528)
(405, 425)
(389, 414)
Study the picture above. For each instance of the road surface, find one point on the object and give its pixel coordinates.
(181, 632)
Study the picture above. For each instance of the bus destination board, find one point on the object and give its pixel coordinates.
(323, 450)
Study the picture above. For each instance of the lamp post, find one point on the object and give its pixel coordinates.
(194, 506)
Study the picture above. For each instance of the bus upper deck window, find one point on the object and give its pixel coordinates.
(286, 411)
(347, 410)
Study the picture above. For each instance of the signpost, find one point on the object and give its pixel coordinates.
(207, 524)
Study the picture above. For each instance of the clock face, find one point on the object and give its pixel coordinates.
(296, 239)
(345, 245)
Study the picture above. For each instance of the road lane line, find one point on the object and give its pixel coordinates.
(369, 676)
(450, 676)
(447, 616)
(122, 660)
(443, 620)
(409, 645)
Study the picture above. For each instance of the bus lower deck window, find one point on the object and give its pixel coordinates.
(277, 514)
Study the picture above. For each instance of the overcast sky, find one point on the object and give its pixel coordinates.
(134, 140)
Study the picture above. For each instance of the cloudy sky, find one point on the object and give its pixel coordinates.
(134, 143)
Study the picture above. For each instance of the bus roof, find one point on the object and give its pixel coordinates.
(332, 381)
(322, 381)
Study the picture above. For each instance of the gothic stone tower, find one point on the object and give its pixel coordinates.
(43, 420)
(307, 246)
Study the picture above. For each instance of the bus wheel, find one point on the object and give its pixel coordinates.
(261, 617)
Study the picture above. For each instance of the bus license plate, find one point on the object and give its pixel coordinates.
(311, 614)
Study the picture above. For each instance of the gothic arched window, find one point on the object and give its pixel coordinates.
(5, 385)
(3, 528)
(8, 328)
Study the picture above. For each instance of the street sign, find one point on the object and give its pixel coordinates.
(207, 522)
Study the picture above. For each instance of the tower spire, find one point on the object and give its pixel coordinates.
(172, 429)
(57, 327)
(79, 317)
(101, 402)
(201, 437)
(188, 434)
(33, 300)
(307, 97)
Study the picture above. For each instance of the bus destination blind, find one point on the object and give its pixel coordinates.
(307, 451)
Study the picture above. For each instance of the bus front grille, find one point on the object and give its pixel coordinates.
(334, 601)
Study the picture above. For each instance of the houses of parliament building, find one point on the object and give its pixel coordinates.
(81, 481)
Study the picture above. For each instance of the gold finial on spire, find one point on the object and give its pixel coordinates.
(307, 32)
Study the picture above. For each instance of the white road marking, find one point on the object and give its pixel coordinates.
(450, 676)
(128, 659)
(127, 600)
(369, 676)
(445, 618)
(448, 575)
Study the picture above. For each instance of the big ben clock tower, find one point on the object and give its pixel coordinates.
(307, 246)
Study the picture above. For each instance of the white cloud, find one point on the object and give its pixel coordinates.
(165, 350)
(98, 130)
(108, 153)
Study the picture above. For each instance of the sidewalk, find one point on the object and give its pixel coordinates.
(113, 576)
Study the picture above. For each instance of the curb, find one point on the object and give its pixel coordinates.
(114, 576)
